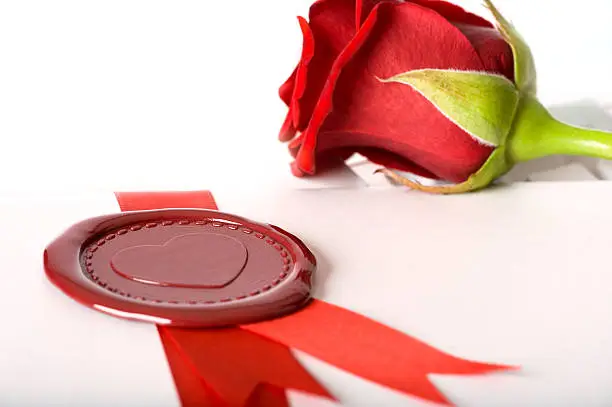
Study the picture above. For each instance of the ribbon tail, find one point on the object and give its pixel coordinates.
(368, 349)
(267, 395)
(192, 391)
(236, 368)
(141, 201)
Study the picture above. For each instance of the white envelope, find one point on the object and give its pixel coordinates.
(515, 275)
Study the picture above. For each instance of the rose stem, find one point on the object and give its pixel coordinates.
(537, 133)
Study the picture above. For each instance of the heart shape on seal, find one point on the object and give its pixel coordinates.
(194, 260)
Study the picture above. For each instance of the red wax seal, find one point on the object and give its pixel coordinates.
(187, 267)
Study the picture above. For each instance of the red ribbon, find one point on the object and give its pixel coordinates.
(252, 365)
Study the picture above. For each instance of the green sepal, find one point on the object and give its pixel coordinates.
(524, 66)
(496, 165)
(480, 103)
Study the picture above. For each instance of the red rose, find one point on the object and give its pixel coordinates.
(338, 106)
(421, 87)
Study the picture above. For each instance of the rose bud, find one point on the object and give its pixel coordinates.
(422, 88)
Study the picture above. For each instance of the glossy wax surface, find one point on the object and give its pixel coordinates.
(193, 267)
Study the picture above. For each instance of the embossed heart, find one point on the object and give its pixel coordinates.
(195, 260)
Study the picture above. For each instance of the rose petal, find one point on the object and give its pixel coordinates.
(381, 157)
(301, 75)
(450, 11)
(286, 90)
(305, 160)
(296, 83)
(390, 160)
(331, 28)
(287, 131)
(453, 13)
(364, 8)
(296, 171)
(495, 53)
(368, 113)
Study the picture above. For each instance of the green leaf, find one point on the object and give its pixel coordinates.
(480, 103)
(524, 66)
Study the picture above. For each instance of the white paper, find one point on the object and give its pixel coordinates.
(517, 275)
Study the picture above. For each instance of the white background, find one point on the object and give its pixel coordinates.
(124, 95)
